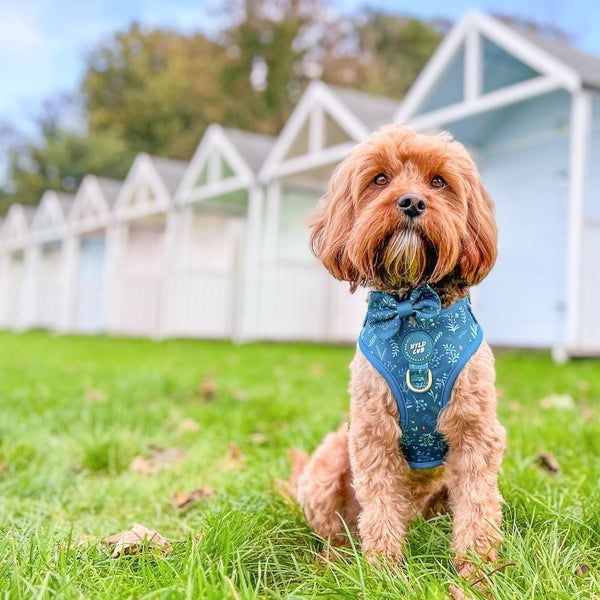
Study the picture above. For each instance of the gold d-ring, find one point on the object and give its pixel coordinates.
(414, 389)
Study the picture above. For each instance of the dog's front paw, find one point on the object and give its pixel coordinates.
(474, 575)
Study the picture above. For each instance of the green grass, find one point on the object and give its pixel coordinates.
(74, 412)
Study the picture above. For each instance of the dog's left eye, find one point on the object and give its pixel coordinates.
(438, 182)
(380, 179)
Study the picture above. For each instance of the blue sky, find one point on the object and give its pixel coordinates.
(43, 43)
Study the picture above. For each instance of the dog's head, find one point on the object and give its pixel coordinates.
(403, 210)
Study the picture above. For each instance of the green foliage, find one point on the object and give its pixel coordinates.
(59, 161)
(398, 48)
(156, 89)
(258, 42)
(75, 411)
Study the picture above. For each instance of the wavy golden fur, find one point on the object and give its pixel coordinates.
(361, 236)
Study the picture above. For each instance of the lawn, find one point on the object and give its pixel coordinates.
(77, 413)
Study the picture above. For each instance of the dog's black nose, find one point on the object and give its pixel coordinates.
(412, 205)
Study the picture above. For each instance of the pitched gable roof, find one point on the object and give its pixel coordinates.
(304, 143)
(374, 111)
(542, 71)
(253, 147)
(226, 160)
(170, 171)
(16, 226)
(586, 65)
(149, 186)
(50, 218)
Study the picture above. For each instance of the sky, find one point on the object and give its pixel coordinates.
(43, 43)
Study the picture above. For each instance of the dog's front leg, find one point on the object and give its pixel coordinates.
(378, 470)
(476, 442)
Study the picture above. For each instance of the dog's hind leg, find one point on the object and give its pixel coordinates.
(325, 490)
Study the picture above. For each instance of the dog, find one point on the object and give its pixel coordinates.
(407, 216)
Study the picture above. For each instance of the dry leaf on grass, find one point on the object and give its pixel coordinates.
(188, 426)
(94, 395)
(207, 389)
(558, 401)
(233, 459)
(159, 459)
(184, 500)
(258, 438)
(240, 395)
(582, 569)
(547, 462)
(130, 541)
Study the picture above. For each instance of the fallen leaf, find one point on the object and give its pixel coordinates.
(583, 386)
(258, 438)
(184, 500)
(240, 395)
(94, 395)
(208, 389)
(188, 426)
(159, 459)
(316, 370)
(582, 569)
(129, 542)
(547, 462)
(234, 452)
(233, 459)
(558, 401)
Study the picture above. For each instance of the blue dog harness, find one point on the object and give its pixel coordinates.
(419, 348)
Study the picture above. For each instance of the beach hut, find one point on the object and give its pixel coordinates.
(214, 264)
(529, 109)
(89, 220)
(15, 235)
(45, 265)
(299, 300)
(137, 256)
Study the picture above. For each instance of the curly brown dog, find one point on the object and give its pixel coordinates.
(407, 212)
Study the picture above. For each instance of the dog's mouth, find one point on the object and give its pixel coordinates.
(405, 258)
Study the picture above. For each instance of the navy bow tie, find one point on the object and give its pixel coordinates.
(386, 312)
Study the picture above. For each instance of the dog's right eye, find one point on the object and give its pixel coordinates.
(380, 179)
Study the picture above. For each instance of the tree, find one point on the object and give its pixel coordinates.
(59, 161)
(60, 155)
(155, 89)
(394, 50)
(266, 54)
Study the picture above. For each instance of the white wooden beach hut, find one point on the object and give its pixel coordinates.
(299, 299)
(529, 109)
(137, 257)
(15, 236)
(45, 262)
(214, 266)
(89, 219)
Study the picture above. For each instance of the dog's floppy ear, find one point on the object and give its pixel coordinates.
(332, 224)
(479, 245)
